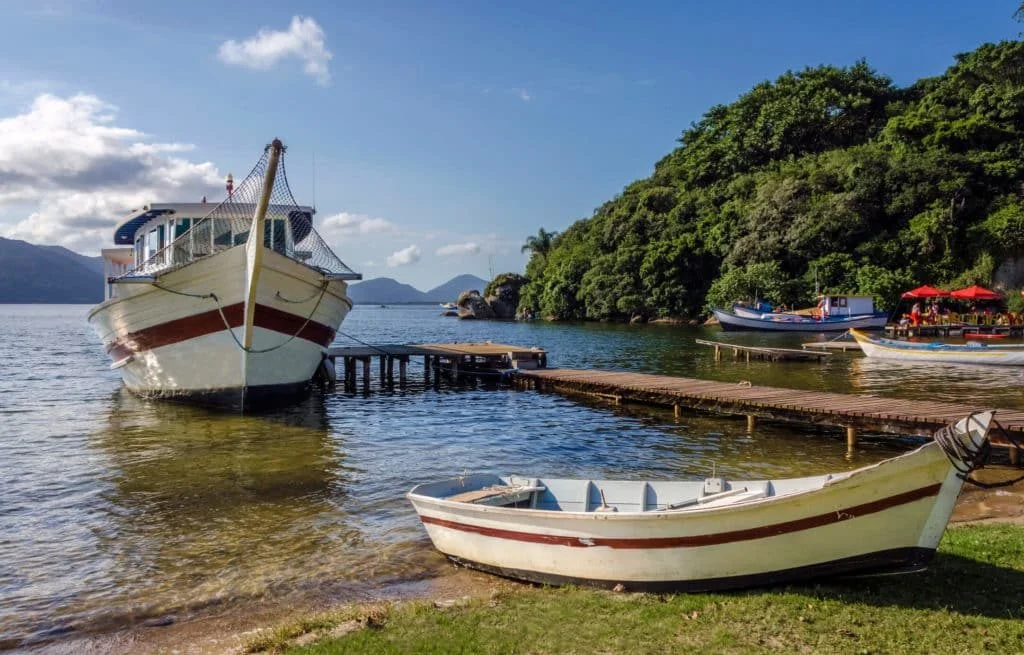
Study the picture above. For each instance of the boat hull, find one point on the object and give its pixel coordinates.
(887, 517)
(944, 354)
(180, 336)
(731, 322)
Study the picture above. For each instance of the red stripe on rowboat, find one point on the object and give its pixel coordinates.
(197, 325)
(696, 540)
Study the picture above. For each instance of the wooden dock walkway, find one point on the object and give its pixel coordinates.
(443, 356)
(853, 412)
(762, 352)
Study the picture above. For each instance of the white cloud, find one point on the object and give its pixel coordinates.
(348, 224)
(523, 94)
(68, 171)
(304, 40)
(470, 248)
(404, 257)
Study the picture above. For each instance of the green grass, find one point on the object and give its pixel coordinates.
(970, 601)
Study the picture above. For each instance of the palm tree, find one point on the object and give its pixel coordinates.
(539, 244)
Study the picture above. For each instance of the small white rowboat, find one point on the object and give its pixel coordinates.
(709, 535)
(973, 352)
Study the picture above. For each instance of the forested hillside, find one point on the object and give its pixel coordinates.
(829, 171)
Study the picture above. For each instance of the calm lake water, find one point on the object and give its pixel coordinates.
(114, 509)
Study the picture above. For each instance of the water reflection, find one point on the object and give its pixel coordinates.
(202, 507)
(996, 386)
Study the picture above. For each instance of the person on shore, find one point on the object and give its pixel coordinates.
(915, 314)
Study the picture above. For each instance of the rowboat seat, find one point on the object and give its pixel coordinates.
(496, 495)
(721, 499)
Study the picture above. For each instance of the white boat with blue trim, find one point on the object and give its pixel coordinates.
(972, 352)
(705, 535)
(227, 304)
(835, 313)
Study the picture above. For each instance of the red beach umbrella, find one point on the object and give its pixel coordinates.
(974, 292)
(925, 292)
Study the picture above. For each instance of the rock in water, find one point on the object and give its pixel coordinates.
(473, 305)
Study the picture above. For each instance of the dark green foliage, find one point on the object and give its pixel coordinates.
(828, 172)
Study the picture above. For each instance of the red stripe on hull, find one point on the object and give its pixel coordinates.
(696, 540)
(198, 325)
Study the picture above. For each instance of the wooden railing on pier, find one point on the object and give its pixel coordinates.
(853, 412)
(762, 352)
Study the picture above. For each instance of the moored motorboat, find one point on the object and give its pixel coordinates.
(705, 535)
(972, 352)
(796, 323)
(228, 304)
(834, 313)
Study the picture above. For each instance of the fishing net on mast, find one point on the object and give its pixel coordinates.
(288, 229)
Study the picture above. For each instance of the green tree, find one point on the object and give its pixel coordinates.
(540, 243)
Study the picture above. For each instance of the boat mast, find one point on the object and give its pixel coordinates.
(254, 244)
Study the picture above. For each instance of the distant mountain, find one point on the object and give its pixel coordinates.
(92, 263)
(451, 289)
(385, 291)
(48, 274)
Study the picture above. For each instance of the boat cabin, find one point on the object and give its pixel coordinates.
(144, 236)
(843, 305)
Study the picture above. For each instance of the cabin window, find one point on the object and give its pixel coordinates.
(222, 232)
(274, 236)
(182, 226)
(140, 250)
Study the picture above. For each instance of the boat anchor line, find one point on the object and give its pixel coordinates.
(965, 458)
(227, 324)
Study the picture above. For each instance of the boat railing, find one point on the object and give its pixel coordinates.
(288, 230)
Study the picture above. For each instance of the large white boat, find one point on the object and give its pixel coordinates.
(230, 304)
(705, 535)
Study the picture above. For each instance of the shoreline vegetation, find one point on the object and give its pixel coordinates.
(827, 176)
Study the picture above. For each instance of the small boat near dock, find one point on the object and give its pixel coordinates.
(834, 314)
(972, 352)
(705, 535)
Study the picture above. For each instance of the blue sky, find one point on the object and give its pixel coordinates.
(444, 133)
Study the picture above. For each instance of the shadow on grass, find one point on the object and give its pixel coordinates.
(953, 582)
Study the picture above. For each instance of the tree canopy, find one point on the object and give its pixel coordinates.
(829, 173)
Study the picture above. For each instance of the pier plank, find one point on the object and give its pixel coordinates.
(887, 415)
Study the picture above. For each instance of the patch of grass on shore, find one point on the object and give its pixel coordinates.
(970, 600)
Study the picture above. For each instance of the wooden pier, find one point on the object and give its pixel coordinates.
(762, 352)
(454, 358)
(852, 412)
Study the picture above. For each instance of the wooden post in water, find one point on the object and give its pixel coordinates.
(1014, 453)
(718, 353)
(383, 371)
(851, 440)
(391, 371)
(366, 374)
(677, 409)
(403, 364)
(426, 369)
(751, 423)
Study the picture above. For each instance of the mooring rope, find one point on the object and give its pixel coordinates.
(361, 342)
(231, 331)
(966, 456)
